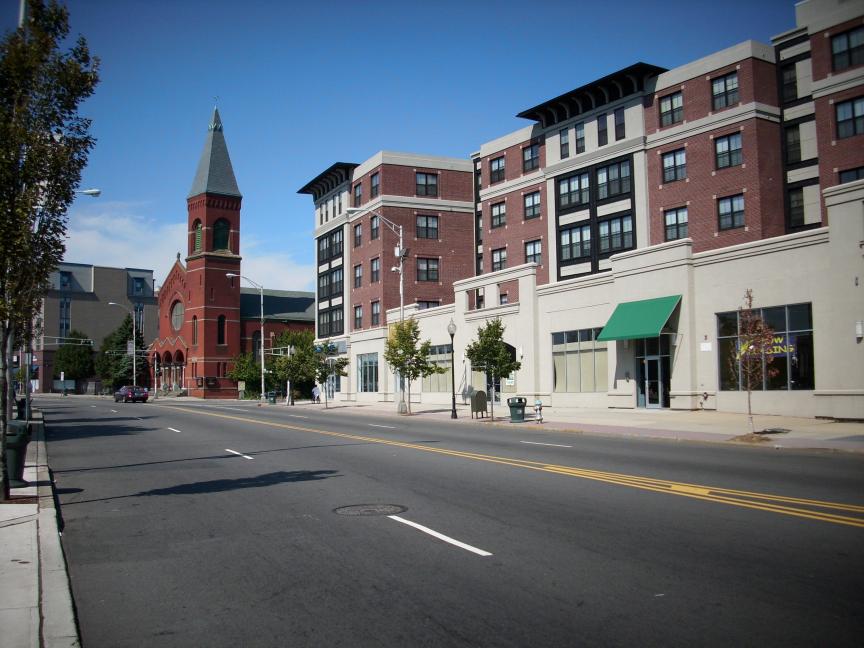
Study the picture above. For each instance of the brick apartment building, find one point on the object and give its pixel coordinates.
(205, 318)
(359, 208)
(616, 234)
(78, 299)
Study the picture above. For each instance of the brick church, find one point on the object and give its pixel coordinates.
(206, 318)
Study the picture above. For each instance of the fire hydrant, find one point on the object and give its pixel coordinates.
(538, 410)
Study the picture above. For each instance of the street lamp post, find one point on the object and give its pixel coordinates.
(134, 342)
(261, 293)
(399, 252)
(451, 329)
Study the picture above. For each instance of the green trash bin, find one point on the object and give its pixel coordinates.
(271, 397)
(17, 438)
(517, 409)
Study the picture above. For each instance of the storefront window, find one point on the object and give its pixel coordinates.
(439, 382)
(579, 361)
(792, 365)
(367, 372)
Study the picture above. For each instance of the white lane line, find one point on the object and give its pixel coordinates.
(389, 427)
(92, 406)
(115, 411)
(554, 445)
(234, 409)
(440, 536)
(239, 454)
(174, 430)
(297, 416)
(139, 418)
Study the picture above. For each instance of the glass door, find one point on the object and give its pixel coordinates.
(653, 383)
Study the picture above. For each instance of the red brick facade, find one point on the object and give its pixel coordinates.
(836, 154)
(759, 178)
(820, 47)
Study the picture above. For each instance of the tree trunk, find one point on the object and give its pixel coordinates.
(409, 397)
(492, 398)
(4, 478)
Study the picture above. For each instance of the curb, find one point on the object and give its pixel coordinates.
(58, 626)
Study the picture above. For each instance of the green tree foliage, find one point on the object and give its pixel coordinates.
(75, 360)
(406, 355)
(490, 353)
(44, 144)
(246, 369)
(326, 364)
(298, 366)
(114, 365)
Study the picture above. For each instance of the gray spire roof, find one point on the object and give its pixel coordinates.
(215, 173)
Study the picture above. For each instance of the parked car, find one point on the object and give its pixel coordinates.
(131, 394)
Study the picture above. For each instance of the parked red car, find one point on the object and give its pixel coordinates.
(131, 394)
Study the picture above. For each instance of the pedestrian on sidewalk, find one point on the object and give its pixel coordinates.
(316, 394)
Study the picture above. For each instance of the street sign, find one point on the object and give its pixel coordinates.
(62, 375)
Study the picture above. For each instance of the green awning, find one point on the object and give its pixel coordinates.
(639, 319)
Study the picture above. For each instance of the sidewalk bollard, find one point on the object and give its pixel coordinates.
(538, 410)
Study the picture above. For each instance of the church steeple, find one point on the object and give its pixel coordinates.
(215, 174)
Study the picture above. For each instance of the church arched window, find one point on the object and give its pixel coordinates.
(220, 234)
(220, 330)
(198, 228)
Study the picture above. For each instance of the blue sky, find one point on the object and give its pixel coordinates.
(303, 85)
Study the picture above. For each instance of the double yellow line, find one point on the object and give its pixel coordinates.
(798, 507)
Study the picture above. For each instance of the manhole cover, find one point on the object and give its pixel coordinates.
(370, 509)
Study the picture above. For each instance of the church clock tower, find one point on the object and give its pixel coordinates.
(213, 299)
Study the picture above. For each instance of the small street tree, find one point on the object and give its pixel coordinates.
(114, 364)
(44, 144)
(246, 369)
(326, 364)
(490, 352)
(296, 367)
(408, 358)
(74, 359)
(751, 361)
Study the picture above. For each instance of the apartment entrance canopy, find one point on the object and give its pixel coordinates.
(639, 319)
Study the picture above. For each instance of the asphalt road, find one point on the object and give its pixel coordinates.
(192, 524)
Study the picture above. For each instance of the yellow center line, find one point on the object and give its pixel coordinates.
(745, 499)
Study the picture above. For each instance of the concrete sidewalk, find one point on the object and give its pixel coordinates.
(35, 599)
(704, 425)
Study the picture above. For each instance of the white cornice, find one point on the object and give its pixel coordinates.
(720, 119)
(838, 83)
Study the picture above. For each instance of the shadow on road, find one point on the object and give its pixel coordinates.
(59, 431)
(223, 485)
(218, 456)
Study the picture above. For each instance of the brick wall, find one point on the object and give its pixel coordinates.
(453, 248)
(517, 230)
(759, 178)
(820, 47)
(512, 161)
(836, 155)
(757, 81)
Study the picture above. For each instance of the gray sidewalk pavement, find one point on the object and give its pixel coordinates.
(35, 599)
(701, 425)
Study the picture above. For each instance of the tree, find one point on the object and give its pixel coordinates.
(490, 352)
(246, 369)
(44, 144)
(296, 367)
(326, 364)
(751, 361)
(74, 359)
(114, 364)
(402, 353)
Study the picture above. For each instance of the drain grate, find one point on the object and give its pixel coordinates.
(370, 509)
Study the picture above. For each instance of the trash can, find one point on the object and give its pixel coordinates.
(21, 404)
(17, 438)
(271, 397)
(517, 409)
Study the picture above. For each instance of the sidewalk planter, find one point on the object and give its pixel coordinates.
(17, 438)
(517, 409)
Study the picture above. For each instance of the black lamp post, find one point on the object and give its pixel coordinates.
(451, 329)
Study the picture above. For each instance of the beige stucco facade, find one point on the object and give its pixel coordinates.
(822, 267)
